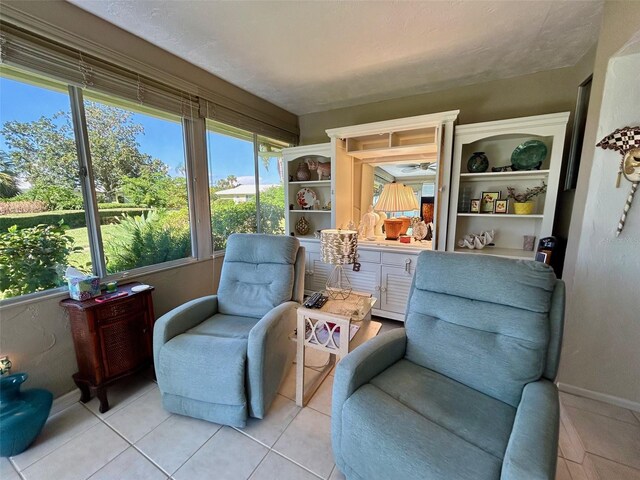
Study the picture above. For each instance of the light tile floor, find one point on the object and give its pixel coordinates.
(137, 439)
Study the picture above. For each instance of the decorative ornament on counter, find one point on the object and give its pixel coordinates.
(368, 224)
(477, 241)
(303, 226)
(626, 141)
(419, 229)
(478, 163)
(379, 224)
(303, 174)
(323, 169)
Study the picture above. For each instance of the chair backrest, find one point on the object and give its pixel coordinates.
(491, 323)
(258, 274)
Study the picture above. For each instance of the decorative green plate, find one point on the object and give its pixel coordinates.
(529, 155)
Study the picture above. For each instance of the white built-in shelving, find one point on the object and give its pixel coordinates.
(498, 140)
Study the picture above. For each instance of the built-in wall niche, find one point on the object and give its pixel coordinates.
(385, 144)
(415, 143)
(498, 140)
(499, 149)
(412, 174)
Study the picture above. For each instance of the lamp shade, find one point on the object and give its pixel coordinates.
(412, 198)
(395, 198)
(338, 247)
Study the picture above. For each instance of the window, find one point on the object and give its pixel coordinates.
(270, 173)
(138, 163)
(136, 177)
(245, 170)
(42, 218)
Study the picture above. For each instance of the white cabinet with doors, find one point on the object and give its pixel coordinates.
(385, 273)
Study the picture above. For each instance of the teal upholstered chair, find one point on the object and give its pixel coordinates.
(222, 357)
(465, 391)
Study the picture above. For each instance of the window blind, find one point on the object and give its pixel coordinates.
(222, 114)
(31, 52)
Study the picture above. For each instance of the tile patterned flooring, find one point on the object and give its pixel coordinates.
(137, 439)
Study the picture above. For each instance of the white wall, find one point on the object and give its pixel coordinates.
(37, 336)
(601, 352)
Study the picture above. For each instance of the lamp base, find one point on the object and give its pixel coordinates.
(338, 284)
(392, 228)
(406, 223)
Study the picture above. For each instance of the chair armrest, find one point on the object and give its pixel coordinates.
(269, 356)
(532, 450)
(181, 319)
(357, 368)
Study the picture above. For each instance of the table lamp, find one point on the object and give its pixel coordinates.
(338, 247)
(395, 197)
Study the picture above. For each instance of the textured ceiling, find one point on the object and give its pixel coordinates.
(308, 56)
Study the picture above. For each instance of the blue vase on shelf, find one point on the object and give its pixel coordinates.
(478, 163)
(22, 414)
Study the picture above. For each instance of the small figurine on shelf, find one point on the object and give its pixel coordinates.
(419, 229)
(303, 174)
(369, 221)
(477, 241)
(323, 169)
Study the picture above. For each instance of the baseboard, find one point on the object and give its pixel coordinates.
(65, 401)
(602, 397)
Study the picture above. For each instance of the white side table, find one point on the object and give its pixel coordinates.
(327, 329)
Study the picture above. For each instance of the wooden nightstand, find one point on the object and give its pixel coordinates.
(112, 339)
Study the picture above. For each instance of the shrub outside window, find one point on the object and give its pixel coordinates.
(245, 182)
(139, 184)
(42, 219)
(138, 166)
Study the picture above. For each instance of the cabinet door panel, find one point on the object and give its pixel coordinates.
(320, 271)
(396, 284)
(367, 280)
(123, 345)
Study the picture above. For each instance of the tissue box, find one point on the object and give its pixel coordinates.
(84, 288)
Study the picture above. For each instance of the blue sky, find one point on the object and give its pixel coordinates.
(162, 139)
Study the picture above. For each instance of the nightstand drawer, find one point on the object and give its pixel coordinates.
(117, 309)
(399, 259)
(368, 256)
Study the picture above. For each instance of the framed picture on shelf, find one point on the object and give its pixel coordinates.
(474, 205)
(487, 201)
(501, 206)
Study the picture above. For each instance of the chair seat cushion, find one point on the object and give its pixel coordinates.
(384, 439)
(205, 368)
(230, 326)
(473, 416)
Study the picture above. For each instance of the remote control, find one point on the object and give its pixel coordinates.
(310, 302)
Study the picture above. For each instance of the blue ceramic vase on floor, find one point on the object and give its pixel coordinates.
(22, 414)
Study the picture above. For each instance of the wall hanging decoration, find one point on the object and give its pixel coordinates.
(626, 141)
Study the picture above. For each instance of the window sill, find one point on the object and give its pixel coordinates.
(131, 275)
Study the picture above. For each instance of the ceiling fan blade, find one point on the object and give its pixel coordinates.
(409, 169)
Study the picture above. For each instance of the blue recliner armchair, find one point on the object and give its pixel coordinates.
(222, 358)
(464, 391)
